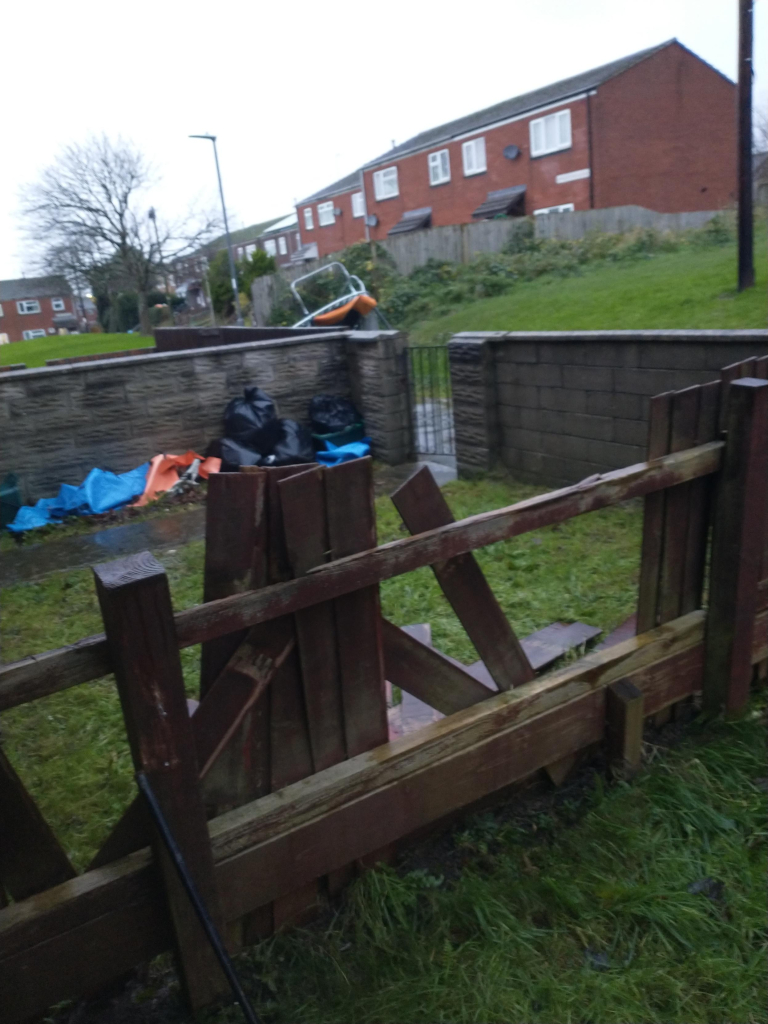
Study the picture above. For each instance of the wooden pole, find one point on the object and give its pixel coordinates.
(746, 227)
(624, 707)
(138, 620)
(738, 539)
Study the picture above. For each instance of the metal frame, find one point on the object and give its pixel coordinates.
(353, 282)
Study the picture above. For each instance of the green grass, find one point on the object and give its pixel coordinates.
(70, 748)
(35, 352)
(690, 288)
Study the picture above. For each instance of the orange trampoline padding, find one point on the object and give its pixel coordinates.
(363, 304)
(165, 470)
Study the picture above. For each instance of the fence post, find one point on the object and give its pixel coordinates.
(138, 620)
(738, 539)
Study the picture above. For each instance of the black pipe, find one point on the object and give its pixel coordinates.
(195, 899)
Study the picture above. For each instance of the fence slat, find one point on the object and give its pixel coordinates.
(659, 423)
(427, 674)
(738, 543)
(700, 503)
(624, 711)
(136, 607)
(31, 858)
(422, 507)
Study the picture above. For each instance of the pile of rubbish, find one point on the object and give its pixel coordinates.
(254, 435)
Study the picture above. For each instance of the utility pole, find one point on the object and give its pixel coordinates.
(745, 222)
(153, 217)
(232, 274)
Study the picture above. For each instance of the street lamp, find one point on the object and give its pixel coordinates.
(232, 274)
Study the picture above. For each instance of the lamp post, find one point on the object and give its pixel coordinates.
(232, 274)
(153, 217)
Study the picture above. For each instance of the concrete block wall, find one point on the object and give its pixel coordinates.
(56, 423)
(555, 407)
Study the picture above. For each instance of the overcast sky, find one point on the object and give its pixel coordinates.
(298, 93)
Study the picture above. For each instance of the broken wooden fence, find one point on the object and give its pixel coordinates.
(283, 780)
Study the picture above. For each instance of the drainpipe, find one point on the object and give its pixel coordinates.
(589, 144)
(365, 217)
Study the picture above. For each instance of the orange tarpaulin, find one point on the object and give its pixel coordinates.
(165, 470)
(363, 304)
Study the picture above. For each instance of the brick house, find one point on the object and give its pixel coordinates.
(656, 129)
(34, 307)
(282, 241)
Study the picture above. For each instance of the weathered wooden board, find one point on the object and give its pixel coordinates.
(624, 714)
(24, 680)
(423, 507)
(659, 425)
(700, 504)
(352, 528)
(427, 674)
(31, 858)
(738, 542)
(545, 646)
(135, 603)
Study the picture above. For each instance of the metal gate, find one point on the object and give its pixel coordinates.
(429, 382)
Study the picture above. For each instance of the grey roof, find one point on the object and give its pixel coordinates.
(34, 288)
(342, 185)
(520, 104)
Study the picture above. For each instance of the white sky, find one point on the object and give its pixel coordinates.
(299, 93)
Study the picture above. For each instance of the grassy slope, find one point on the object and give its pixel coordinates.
(691, 288)
(35, 352)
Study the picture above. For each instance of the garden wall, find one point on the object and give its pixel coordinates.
(57, 422)
(556, 407)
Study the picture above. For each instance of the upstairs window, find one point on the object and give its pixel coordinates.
(1, 309)
(57, 305)
(325, 215)
(562, 208)
(439, 167)
(28, 306)
(473, 156)
(551, 133)
(270, 247)
(358, 205)
(385, 184)
(282, 248)
(308, 222)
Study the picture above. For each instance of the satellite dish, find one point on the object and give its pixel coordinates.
(372, 220)
(511, 152)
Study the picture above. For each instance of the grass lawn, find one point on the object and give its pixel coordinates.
(691, 288)
(35, 352)
(576, 913)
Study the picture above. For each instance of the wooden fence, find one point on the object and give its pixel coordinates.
(283, 782)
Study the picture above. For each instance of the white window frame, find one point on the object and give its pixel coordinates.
(22, 305)
(562, 208)
(309, 224)
(473, 156)
(557, 126)
(358, 204)
(386, 184)
(58, 306)
(282, 248)
(38, 332)
(270, 247)
(439, 164)
(325, 215)
(1, 309)
(297, 239)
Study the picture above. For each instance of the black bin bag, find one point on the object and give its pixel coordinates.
(330, 414)
(293, 446)
(252, 420)
(234, 455)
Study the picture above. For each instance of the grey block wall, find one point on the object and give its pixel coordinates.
(56, 423)
(555, 407)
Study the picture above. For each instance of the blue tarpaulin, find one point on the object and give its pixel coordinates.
(99, 492)
(344, 452)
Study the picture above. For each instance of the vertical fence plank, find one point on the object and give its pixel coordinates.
(31, 858)
(684, 422)
(737, 545)
(422, 507)
(728, 374)
(700, 503)
(302, 498)
(659, 422)
(352, 528)
(624, 709)
(136, 607)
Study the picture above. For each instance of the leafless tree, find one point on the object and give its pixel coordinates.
(89, 209)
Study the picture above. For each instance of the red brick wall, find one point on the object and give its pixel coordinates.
(664, 136)
(14, 323)
(346, 230)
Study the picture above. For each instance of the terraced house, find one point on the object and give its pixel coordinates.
(34, 307)
(655, 129)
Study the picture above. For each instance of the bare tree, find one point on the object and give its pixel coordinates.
(89, 210)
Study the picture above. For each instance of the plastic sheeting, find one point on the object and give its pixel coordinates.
(345, 452)
(165, 470)
(99, 492)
